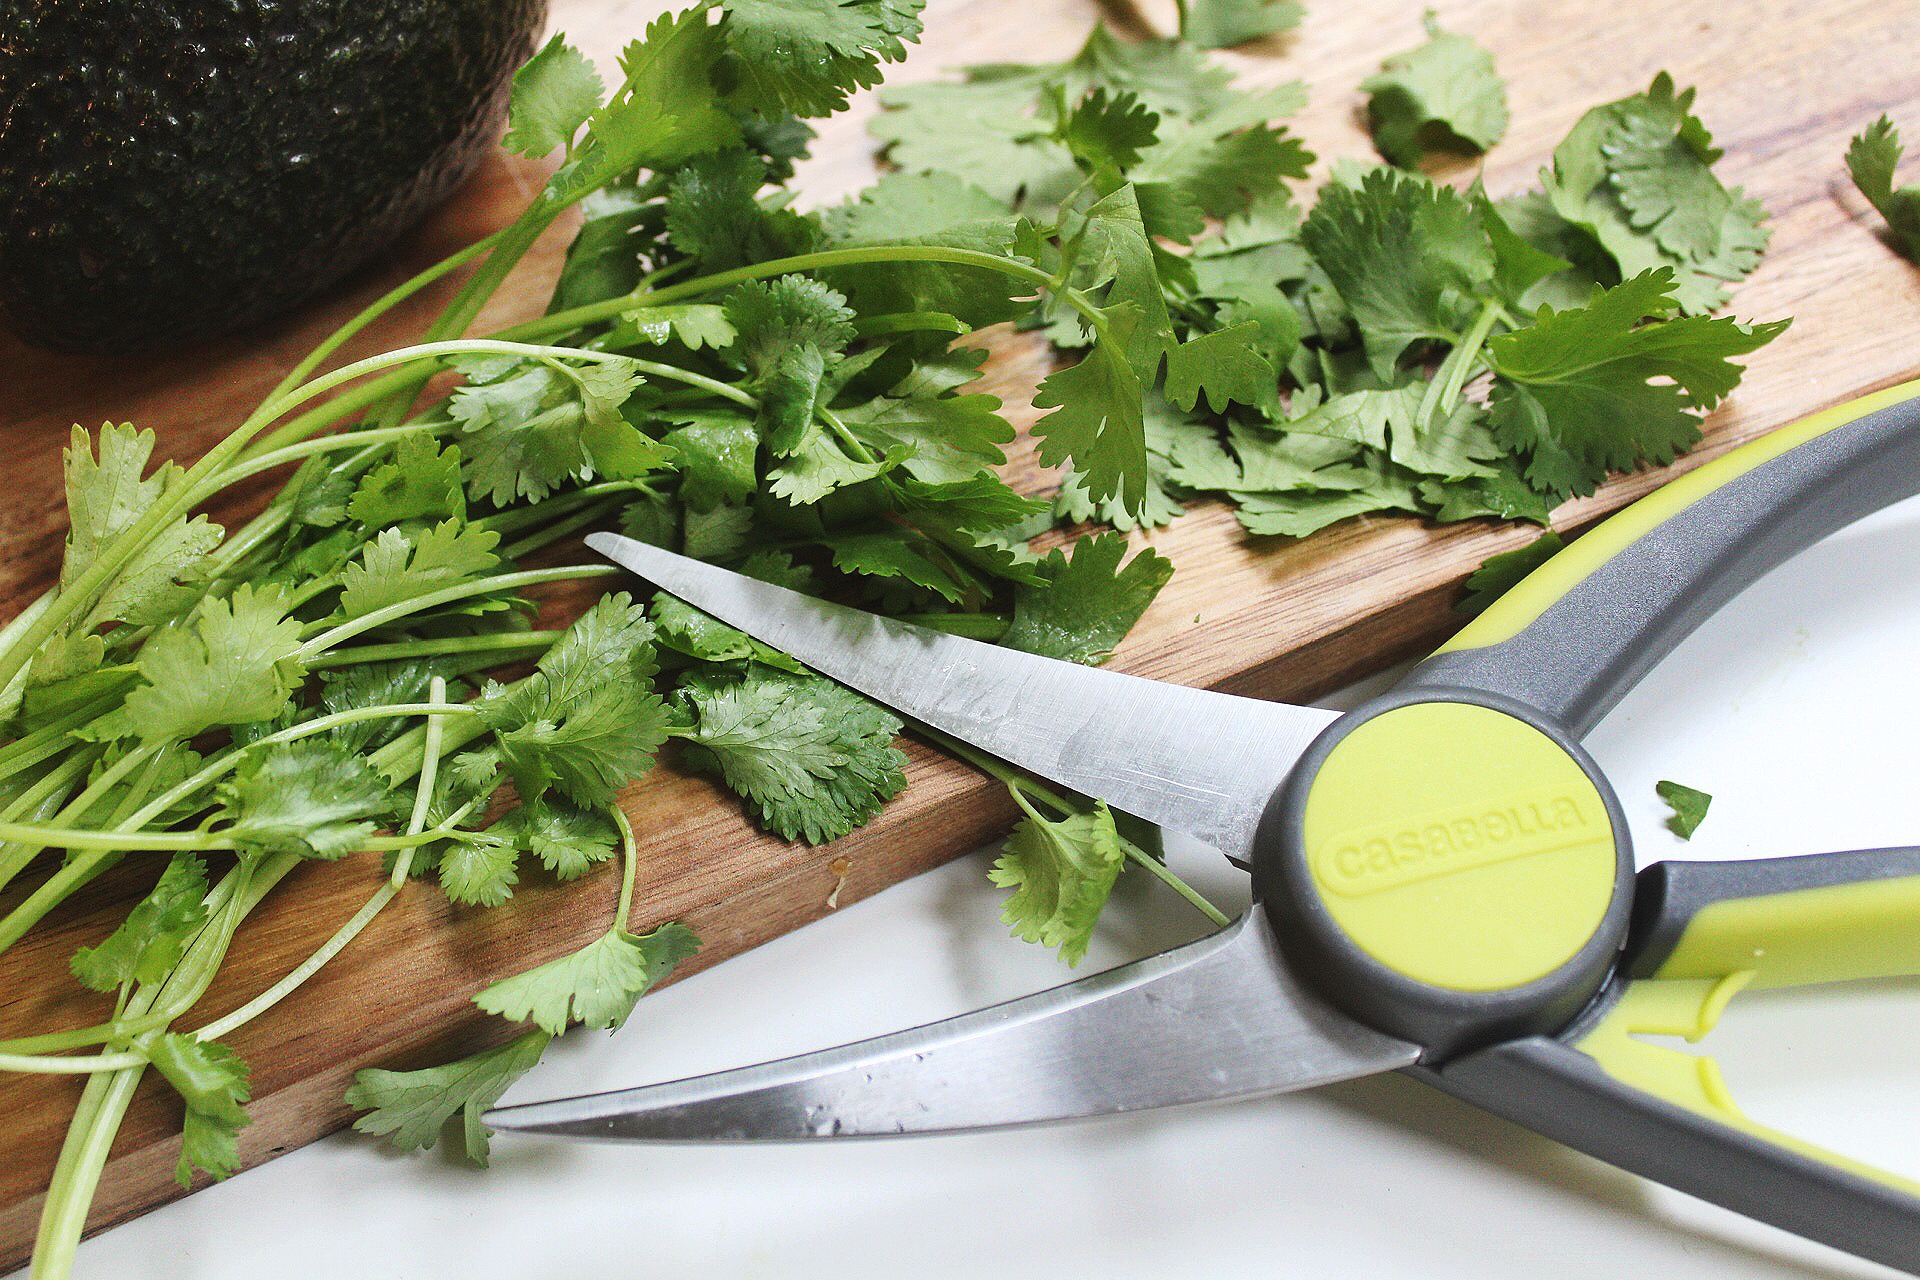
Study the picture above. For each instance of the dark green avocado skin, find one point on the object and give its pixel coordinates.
(176, 169)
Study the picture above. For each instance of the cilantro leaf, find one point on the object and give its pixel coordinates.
(1221, 24)
(420, 482)
(397, 566)
(946, 439)
(478, 868)
(542, 426)
(982, 503)
(1107, 132)
(410, 1108)
(568, 839)
(1503, 495)
(713, 217)
(1444, 95)
(554, 92)
(816, 759)
(1503, 572)
(604, 260)
(1096, 419)
(105, 496)
(374, 684)
(716, 452)
(1585, 391)
(163, 580)
(1222, 164)
(1116, 240)
(587, 720)
(673, 64)
(1227, 366)
(686, 630)
(792, 330)
(926, 208)
(231, 662)
(805, 58)
(1295, 515)
(596, 986)
(693, 324)
(146, 945)
(1089, 602)
(887, 551)
(820, 465)
(1061, 873)
(311, 797)
(1636, 176)
(1407, 257)
(1872, 157)
(212, 1080)
(1006, 151)
(1689, 807)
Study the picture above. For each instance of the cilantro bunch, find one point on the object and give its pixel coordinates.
(371, 665)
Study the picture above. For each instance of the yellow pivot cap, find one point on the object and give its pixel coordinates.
(1448, 872)
(1459, 846)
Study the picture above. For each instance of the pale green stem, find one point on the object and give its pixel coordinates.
(377, 308)
(422, 803)
(63, 1217)
(447, 595)
(511, 642)
(630, 857)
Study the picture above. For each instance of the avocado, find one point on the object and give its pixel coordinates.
(176, 169)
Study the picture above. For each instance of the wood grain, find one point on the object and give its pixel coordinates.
(1783, 84)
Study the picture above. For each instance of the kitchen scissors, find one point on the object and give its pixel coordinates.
(1443, 879)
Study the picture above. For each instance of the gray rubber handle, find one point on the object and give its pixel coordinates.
(1820, 917)
(1559, 1092)
(1754, 508)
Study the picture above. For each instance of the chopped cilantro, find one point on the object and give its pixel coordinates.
(1444, 95)
(1872, 157)
(1689, 807)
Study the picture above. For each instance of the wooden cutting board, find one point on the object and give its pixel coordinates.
(1782, 83)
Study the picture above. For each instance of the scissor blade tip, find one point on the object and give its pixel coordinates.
(608, 544)
(529, 1117)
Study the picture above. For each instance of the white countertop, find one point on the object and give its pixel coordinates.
(1795, 707)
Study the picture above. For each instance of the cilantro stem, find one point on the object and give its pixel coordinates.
(725, 390)
(1443, 389)
(514, 519)
(104, 1101)
(346, 933)
(510, 244)
(64, 1064)
(159, 841)
(512, 642)
(50, 739)
(42, 800)
(629, 857)
(911, 322)
(581, 519)
(344, 405)
(90, 862)
(82, 1160)
(447, 595)
(577, 317)
(975, 626)
(259, 463)
(379, 307)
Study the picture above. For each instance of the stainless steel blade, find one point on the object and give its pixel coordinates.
(1196, 761)
(1217, 1019)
